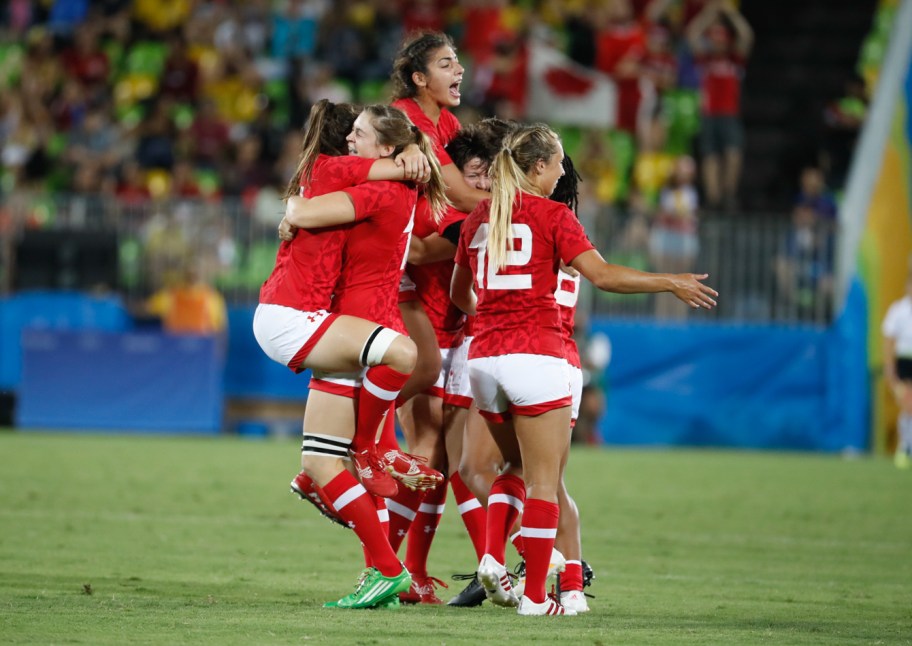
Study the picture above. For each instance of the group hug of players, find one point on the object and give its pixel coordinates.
(430, 272)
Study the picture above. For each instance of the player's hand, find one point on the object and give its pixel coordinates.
(287, 230)
(414, 163)
(690, 289)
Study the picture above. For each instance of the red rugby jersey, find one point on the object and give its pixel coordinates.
(375, 252)
(432, 285)
(441, 134)
(516, 311)
(566, 295)
(306, 269)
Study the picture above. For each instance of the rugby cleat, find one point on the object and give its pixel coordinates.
(495, 580)
(574, 600)
(549, 607)
(313, 493)
(411, 470)
(374, 591)
(556, 565)
(471, 596)
(423, 590)
(373, 472)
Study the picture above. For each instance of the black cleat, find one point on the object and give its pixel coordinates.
(473, 595)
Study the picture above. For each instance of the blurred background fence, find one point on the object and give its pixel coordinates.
(768, 268)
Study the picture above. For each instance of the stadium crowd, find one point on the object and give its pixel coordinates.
(142, 100)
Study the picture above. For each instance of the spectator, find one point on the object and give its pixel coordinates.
(804, 266)
(843, 119)
(85, 61)
(132, 188)
(155, 147)
(294, 28)
(96, 142)
(814, 194)
(658, 74)
(720, 39)
(180, 77)
(189, 305)
(673, 240)
(620, 43)
(208, 135)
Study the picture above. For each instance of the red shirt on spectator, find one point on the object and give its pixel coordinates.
(614, 44)
(720, 84)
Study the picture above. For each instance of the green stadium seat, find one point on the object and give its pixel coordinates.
(146, 58)
(373, 92)
(571, 138)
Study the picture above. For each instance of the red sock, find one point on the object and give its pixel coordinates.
(473, 514)
(572, 577)
(403, 508)
(539, 526)
(516, 540)
(383, 517)
(388, 439)
(424, 527)
(357, 508)
(379, 388)
(505, 503)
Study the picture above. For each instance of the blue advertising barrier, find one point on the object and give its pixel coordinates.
(249, 373)
(769, 387)
(57, 310)
(130, 381)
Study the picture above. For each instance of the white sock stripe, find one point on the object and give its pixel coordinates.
(402, 510)
(573, 562)
(515, 536)
(469, 505)
(348, 496)
(383, 515)
(537, 532)
(377, 391)
(427, 508)
(504, 499)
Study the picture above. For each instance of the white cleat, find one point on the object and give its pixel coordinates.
(556, 566)
(494, 579)
(548, 607)
(574, 600)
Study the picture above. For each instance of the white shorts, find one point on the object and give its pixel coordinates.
(519, 384)
(288, 335)
(439, 387)
(457, 388)
(576, 390)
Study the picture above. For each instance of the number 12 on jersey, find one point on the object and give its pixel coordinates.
(518, 257)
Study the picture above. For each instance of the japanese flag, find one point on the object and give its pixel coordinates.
(562, 92)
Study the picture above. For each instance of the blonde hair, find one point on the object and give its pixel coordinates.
(510, 174)
(395, 129)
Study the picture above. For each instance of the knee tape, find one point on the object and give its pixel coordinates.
(325, 445)
(376, 346)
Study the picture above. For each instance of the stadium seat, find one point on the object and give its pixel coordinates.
(682, 111)
(146, 58)
(373, 92)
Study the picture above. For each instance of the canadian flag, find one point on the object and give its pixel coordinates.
(563, 92)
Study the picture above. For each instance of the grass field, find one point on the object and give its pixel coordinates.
(117, 540)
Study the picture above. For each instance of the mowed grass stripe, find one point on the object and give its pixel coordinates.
(196, 540)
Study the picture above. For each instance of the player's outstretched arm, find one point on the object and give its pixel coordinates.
(619, 279)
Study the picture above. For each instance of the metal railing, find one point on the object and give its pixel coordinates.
(765, 269)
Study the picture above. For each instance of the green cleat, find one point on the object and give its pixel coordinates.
(375, 591)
